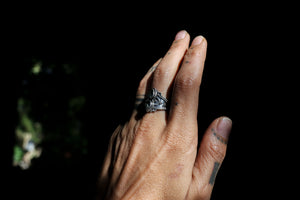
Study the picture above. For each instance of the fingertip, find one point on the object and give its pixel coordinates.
(180, 35)
(199, 40)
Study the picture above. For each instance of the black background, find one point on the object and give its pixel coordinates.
(247, 77)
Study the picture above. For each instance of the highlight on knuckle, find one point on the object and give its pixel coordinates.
(186, 81)
(162, 72)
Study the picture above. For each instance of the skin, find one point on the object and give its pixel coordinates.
(155, 155)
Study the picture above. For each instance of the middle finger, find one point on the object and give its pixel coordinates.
(165, 73)
(167, 68)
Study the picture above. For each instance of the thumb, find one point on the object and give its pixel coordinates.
(210, 156)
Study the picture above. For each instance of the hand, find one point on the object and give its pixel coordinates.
(154, 155)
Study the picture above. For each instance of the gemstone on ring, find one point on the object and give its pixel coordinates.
(155, 101)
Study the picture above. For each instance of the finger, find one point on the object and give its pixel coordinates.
(184, 105)
(146, 81)
(144, 85)
(211, 154)
(168, 67)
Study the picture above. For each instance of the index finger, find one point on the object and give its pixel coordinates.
(184, 104)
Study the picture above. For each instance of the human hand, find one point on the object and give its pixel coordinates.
(155, 155)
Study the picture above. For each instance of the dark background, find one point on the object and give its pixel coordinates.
(109, 49)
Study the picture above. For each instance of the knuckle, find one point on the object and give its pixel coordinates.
(194, 52)
(177, 140)
(162, 72)
(186, 81)
(216, 151)
(172, 142)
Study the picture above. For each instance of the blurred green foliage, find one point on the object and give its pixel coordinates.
(27, 125)
(51, 108)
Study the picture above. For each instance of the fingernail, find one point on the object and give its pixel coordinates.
(224, 127)
(180, 35)
(197, 40)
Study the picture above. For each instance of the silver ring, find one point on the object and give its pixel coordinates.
(155, 101)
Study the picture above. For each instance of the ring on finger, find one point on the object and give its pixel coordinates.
(155, 101)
